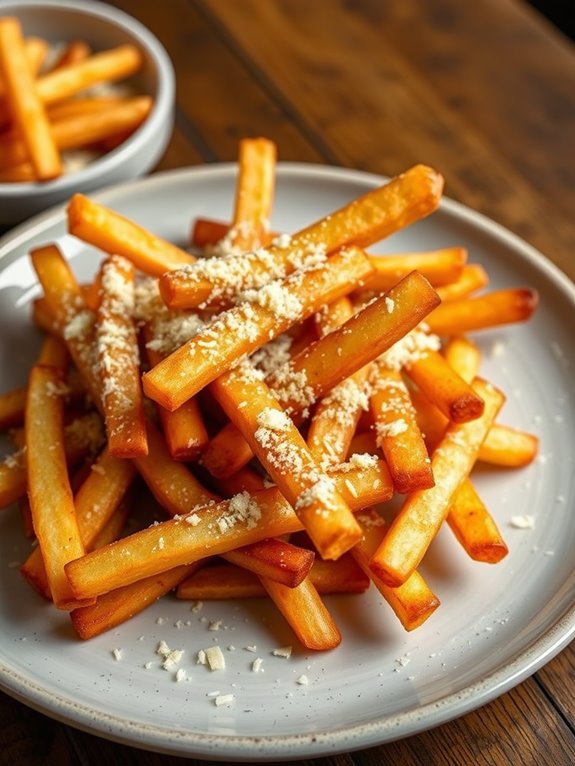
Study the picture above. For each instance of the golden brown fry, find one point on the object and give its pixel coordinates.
(474, 527)
(489, 310)
(439, 382)
(117, 235)
(275, 559)
(473, 277)
(439, 267)
(51, 501)
(423, 512)
(25, 104)
(245, 328)
(122, 398)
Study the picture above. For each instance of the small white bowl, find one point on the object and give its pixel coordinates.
(103, 27)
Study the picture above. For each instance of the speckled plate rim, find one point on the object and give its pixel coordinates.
(289, 747)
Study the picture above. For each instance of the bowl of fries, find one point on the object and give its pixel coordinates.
(86, 101)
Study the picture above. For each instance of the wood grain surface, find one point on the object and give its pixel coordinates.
(485, 92)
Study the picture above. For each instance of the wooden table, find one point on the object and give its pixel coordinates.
(485, 92)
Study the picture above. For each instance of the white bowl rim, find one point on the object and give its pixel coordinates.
(163, 102)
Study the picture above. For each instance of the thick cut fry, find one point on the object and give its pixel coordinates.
(248, 326)
(117, 235)
(422, 513)
(439, 267)
(173, 485)
(75, 50)
(76, 323)
(474, 527)
(463, 356)
(413, 602)
(445, 388)
(119, 356)
(489, 310)
(95, 502)
(213, 529)
(305, 613)
(283, 453)
(36, 50)
(331, 359)
(105, 66)
(227, 581)
(473, 277)
(184, 429)
(83, 129)
(275, 559)
(206, 232)
(377, 214)
(25, 104)
(508, 447)
(116, 607)
(397, 433)
(254, 194)
(49, 490)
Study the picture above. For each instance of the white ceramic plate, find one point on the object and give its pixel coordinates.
(496, 626)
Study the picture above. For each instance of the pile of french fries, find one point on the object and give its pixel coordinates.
(271, 395)
(51, 105)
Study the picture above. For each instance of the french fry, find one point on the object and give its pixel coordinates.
(246, 327)
(422, 512)
(74, 51)
(413, 602)
(463, 356)
(116, 607)
(95, 502)
(49, 490)
(75, 322)
(254, 194)
(119, 361)
(377, 214)
(114, 234)
(305, 613)
(25, 104)
(439, 267)
(490, 310)
(227, 581)
(276, 559)
(82, 129)
(397, 433)
(104, 66)
(472, 278)
(474, 527)
(331, 359)
(214, 528)
(206, 232)
(508, 447)
(445, 388)
(282, 451)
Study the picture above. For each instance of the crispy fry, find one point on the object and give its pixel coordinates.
(282, 451)
(25, 104)
(104, 66)
(324, 364)
(83, 129)
(397, 433)
(213, 529)
(422, 513)
(413, 602)
(275, 559)
(474, 527)
(225, 581)
(306, 614)
(439, 267)
(489, 310)
(473, 277)
(377, 214)
(117, 235)
(508, 447)
(49, 490)
(119, 357)
(74, 51)
(206, 231)
(246, 327)
(445, 388)
(463, 356)
(254, 195)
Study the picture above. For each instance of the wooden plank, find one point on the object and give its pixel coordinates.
(222, 98)
(558, 680)
(394, 111)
